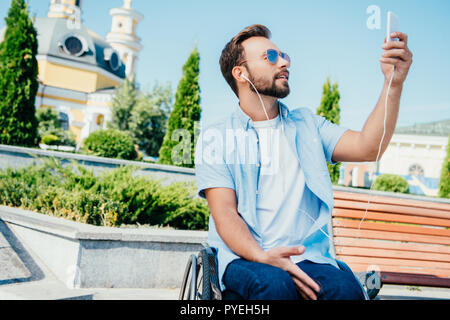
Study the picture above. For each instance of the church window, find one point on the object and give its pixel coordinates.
(74, 45)
(416, 170)
(112, 58)
(100, 119)
(64, 120)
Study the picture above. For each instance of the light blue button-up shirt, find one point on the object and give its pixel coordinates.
(227, 155)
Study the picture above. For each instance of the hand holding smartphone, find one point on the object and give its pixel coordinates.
(392, 26)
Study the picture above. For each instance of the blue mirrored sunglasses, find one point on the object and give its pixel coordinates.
(272, 56)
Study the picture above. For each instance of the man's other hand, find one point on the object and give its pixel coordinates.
(280, 257)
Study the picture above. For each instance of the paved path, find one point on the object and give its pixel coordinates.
(52, 289)
(394, 292)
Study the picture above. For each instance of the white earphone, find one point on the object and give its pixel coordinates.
(260, 99)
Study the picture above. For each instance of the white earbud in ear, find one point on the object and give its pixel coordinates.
(262, 103)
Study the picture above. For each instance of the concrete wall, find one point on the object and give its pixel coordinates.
(86, 256)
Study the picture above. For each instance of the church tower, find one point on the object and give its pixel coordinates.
(123, 36)
(66, 9)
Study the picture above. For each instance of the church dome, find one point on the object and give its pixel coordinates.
(59, 38)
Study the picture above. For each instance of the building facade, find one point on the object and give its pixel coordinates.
(78, 69)
(416, 153)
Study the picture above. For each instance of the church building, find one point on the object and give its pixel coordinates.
(79, 69)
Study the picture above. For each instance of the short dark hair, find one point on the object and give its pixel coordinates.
(233, 53)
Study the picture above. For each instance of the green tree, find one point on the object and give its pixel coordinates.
(184, 118)
(330, 110)
(18, 80)
(444, 183)
(142, 115)
(124, 100)
(149, 118)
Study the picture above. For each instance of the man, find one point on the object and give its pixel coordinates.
(268, 189)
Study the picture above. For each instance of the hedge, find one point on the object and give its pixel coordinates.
(392, 183)
(110, 143)
(114, 198)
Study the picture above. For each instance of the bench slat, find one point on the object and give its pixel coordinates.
(407, 279)
(412, 211)
(404, 275)
(387, 244)
(385, 235)
(395, 254)
(390, 200)
(391, 227)
(443, 266)
(363, 266)
(358, 214)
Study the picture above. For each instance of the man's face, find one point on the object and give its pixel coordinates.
(266, 77)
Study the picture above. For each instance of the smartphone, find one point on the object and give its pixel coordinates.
(392, 25)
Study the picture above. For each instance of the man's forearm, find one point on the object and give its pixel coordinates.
(372, 131)
(230, 226)
(236, 235)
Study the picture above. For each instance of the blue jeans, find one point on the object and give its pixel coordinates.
(259, 281)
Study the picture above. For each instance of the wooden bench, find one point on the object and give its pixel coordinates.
(407, 239)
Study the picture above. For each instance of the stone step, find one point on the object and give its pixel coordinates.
(46, 289)
(12, 267)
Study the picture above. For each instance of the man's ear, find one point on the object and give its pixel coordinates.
(237, 72)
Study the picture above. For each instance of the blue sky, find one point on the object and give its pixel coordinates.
(323, 37)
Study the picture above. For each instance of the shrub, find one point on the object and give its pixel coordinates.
(50, 140)
(177, 206)
(137, 194)
(110, 143)
(49, 124)
(392, 183)
(114, 198)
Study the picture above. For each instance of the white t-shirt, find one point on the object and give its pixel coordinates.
(281, 187)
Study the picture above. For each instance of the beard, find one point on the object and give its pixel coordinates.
(269, 87)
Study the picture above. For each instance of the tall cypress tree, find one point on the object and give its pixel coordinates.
(18, 78)
(444, 182)
(330, 110)
(179, 141)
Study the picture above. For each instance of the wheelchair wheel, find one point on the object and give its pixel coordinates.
(371, 282)
(197, 278)
(187, 278)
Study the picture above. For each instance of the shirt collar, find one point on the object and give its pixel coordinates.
(247, 122)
